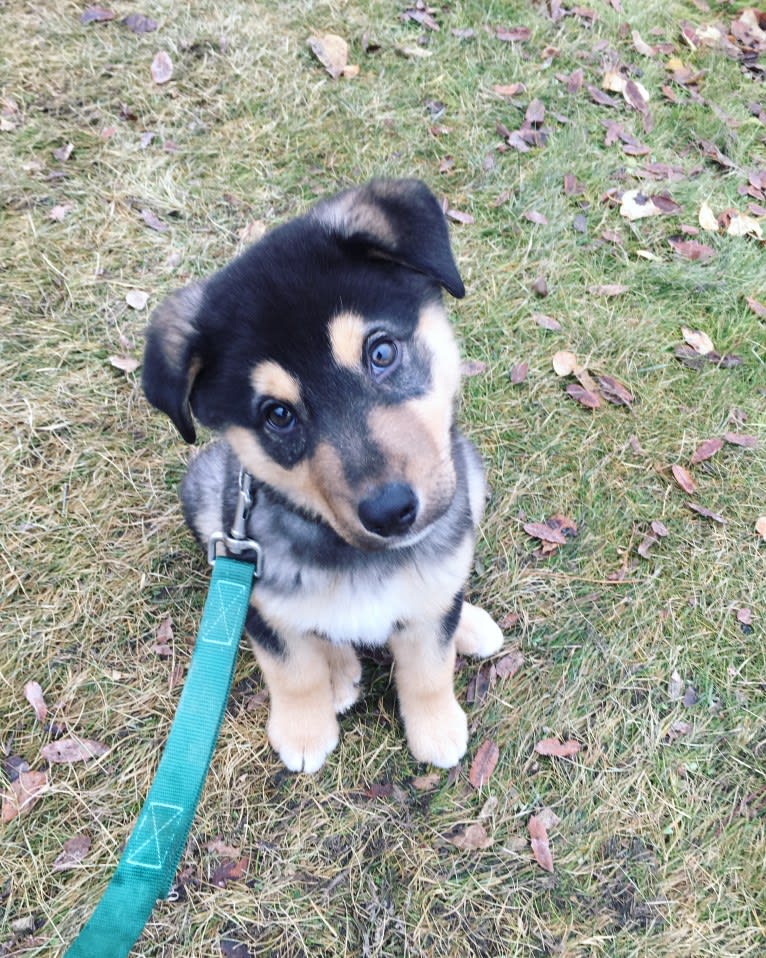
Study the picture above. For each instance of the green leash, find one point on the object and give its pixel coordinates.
(148, 864)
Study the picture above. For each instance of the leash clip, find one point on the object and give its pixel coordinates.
(236, 543)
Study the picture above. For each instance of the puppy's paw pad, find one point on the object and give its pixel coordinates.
(477, 633)
(439, 738)
(303, 743)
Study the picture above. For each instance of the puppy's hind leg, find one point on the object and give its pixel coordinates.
(477, 633)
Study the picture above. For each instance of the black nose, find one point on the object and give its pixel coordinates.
(390, 510)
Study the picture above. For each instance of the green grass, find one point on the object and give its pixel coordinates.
(660, 846)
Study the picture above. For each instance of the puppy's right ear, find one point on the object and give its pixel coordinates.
(172, 356)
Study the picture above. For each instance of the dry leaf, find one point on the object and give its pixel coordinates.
(73, 853)
(538, 835)
(552, 746)
(564, 362)
(458, 216)
(332, 52)
(547, 322)
(659, 529)
(700, 342)
(426, 783)
(706, 450)
(509, 621)
(645, 546)
(740, 439)
(513, 34)
(542, 531)
(63, 153)
(742, 225)
(34, 695)
(472, 367)
(519, 372)
(614, 391)
(609, 289)
(535, 217)
(59, 212)
(675, 687)
(484, 763)
(583, 396)
(758, 308)
(162, 68)
(683, 478)
(136, 298)
(509, 89)
(22, 794)
(67, 750)
(760, 527)
(153, 221)
(137, 23)
(636, 206)
(745, 616)
(691, 249)
(706, 513)
(96, 15)
(707, 218)
(230, 870)
(470, 838)
(509, 665)
(126, 363)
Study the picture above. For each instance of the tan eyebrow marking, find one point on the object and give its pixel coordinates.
(347, 334)
(270, 379)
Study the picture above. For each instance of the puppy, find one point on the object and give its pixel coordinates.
(324, 359)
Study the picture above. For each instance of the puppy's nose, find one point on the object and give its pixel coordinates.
(390, 510)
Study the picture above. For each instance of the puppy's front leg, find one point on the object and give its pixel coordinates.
(302, 727)
(424, 665)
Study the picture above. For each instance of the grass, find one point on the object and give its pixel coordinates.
(660, 846)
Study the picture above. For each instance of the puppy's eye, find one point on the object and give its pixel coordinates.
(278, 417)
(383, 355)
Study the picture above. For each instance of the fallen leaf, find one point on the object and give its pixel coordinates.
(519, 372)
(509, 665)
(509, 89)
(677, 729)
(34, 695)
(96, 15)
(513, 34)
(128, 364)
(706, 450)
(547, 322)
(484, 763)
(706, 513)
(540, 286)
(67, 750)
(230, 870)
(426, 783)
(22, 794)
(59, 212)
(707, 218)
(564, 362)
(535, 217)
(538, 835)
(659, 529)
(62, 153)
(645, 545)
(73, 852)
(138, 23)
(740, 439)
(636, 206)
(472, 367)
(161, 68)
(471, 838)
(136, 298)
(760, 527)
(583, 396)
(641, 46)
(575, 80)
(690, 697)
(542, 531)
(332, 52)
(742, 225)
(457, 216)
(691, 249)
(614, 391)
(758, 308)
(683, 478)
(699, 341)
(552, 746)
(675, 687)
(153, 221)
(745, 616)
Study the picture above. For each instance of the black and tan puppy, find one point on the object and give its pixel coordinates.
(324, 358)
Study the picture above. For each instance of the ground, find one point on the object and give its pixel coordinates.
(645, 649)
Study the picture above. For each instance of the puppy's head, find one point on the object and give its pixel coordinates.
(323, 354)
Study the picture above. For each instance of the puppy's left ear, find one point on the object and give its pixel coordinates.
(400, 220)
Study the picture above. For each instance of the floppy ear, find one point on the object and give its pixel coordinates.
(171, 356)
(400, 220)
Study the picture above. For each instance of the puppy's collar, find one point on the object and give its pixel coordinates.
(237, 543)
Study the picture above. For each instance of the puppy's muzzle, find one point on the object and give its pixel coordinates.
(390, 510)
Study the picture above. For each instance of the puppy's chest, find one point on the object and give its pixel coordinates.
(363, 606)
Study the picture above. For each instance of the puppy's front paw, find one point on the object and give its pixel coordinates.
(477, 633)
(438, 736)
(302, 738)
(345, 676)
